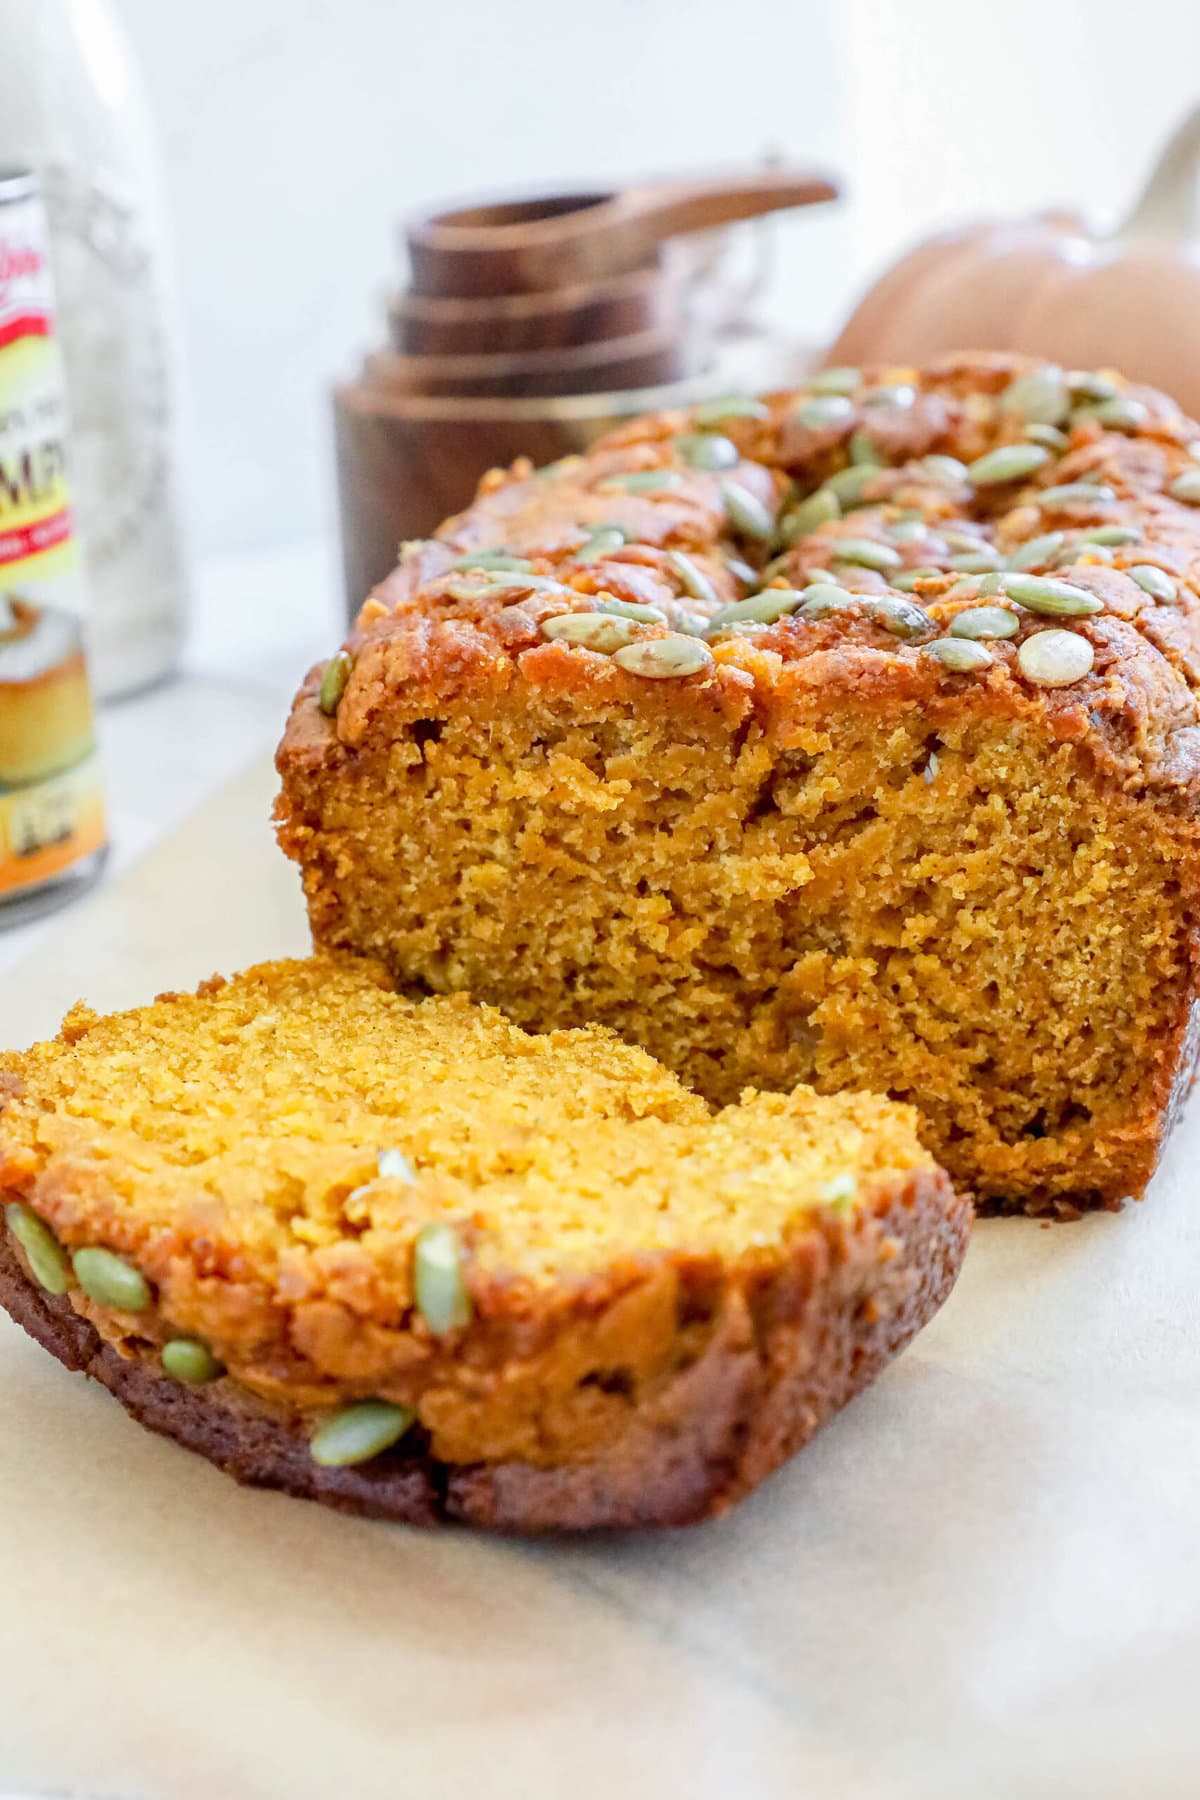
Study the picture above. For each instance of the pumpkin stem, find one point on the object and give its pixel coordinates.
(1167, 204)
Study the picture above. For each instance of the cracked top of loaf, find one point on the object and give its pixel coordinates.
(983, 528)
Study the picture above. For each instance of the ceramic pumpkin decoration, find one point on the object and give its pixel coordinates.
(1050, 287)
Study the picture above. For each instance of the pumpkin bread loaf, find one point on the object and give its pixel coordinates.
(409, 1260)
(847, 737)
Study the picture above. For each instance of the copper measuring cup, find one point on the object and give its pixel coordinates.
(558, 240)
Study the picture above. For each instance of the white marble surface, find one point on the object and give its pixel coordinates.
(259, 621)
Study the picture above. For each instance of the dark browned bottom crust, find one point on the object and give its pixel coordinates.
(752, 1400)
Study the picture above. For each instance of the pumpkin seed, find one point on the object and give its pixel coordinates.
(1119, 413)
(491, 559)
(708, 450)
(742, 571)
(985, 622)
(947, 471)
(907, 579)
(1110, 534)
(820, 598)
(823, 411)
(746, 513)
(190, 1361)
(591, 631)
(865, 553)
(1038, 549)
(640, 481)
(864, 451)
(977, 562)
(1154, 581)
(109, 1280)
(1080, 552)
(779, 565)
(1090, 384)
(630, 609)
(991, 583)
(439, 1286)
(45, 1255)
(358, 1433)
(1186, 487)
(1055, 658)
(498, 583)
(903, 618)
(819, 508)
(849, 486)
(842, 380)
(730, 406)
(1049, 436)
(338, 671)
(1011, 462)
(393, 1165)
(694, 581)
(1039, 397)
(908, 531)
(897, 394)
(960, 654)
(602, 542)
(1076, 493)
(1042, 594)
(665, 658)
(760, 609)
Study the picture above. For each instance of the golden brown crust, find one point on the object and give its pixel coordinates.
(784, 1353)
(437, 644)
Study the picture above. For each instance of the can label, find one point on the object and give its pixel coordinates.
(51, 803)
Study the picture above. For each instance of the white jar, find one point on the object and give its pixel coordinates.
(72, 108)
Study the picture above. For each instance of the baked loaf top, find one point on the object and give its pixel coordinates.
(981, 524)
(299, 1191)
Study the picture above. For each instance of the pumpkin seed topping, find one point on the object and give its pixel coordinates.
(1038, 549)
(760, 609)
(1154, 581)
(338, 671)
(1110, 534)
(693, 580)
(45, 1255)
(818, 509)
(909, 531)
(823, 411)
(591, 631)
(865, 553)
(1039, 397)
(189, 1361)
(665, 658)
(1011, 462)
(1119, 413)
(640, 481)
(842, 380)
(1090, 384)
(742, 571)
(977, 562)
(1055, 658)
(491, 559)
(897, 394)
(820, 598)
(630, 609)
(849, 486)
(1076, 493)
(708, 450)
(1186, 487)
(985, 622)
(439, 1285)
(1043, 594)
(602, 542)
(109, 1280)
(357, 1433)
(746, 513)
(903, 618)
(960, 655)
(947, 471)
(1049, 436)
(730, 406)
(907, 579)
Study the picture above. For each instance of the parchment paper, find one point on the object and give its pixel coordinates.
(982, 1580)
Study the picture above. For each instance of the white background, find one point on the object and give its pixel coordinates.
(297, 132)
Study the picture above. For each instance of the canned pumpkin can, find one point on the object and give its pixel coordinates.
(52, 830)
